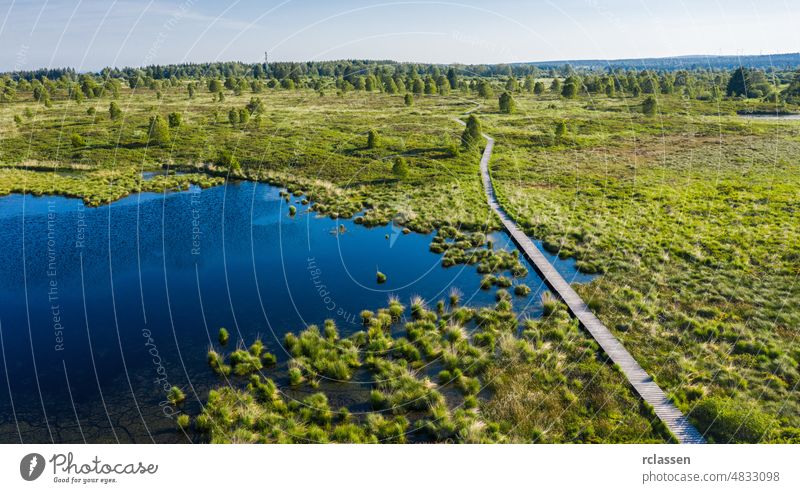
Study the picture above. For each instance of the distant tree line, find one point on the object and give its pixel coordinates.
(400, 78)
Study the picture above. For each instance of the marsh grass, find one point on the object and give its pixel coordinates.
(522, 290)
(404, 389)
(454, 297)
(289, 118)
(692, 229)
(217, 363)
(549, 303)
(176, 396)
(689, 217)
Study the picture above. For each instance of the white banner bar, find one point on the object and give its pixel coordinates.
(401, 468)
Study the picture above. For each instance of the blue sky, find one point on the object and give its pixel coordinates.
(91, 34)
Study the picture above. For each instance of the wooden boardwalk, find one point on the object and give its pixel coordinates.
(677, 423)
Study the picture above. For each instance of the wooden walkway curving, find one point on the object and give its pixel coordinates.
(677, 423)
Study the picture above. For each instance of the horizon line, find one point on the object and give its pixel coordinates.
(323, 60)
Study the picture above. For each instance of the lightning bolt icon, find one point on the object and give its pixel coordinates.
(32, 465)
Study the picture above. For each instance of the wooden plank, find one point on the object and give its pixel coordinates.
(641, 381)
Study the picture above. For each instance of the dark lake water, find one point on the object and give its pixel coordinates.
(102, 307)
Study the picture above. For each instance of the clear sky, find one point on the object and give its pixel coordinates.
(91, 34)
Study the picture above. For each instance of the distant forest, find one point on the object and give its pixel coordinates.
(705, 78)
(342, 68)
(782, 61)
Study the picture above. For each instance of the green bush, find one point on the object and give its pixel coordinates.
(217, 363)
(226, 159)
(400, 168)
(175, 119)
(522, 290)
(158, 131)
(295, 376)
(373, 139)
(77, 141)
(114, 111)
(731, 421)
(175, 396)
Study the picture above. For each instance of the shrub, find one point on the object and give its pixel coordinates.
(158, 131)
(244, 116)
(502, 295)
(377, 399)
(522, 290)
(226, 159)
(269, 358)
(381, 277)
(408, 99)
(507, 104)
(373, 140)
(224, 336)
(292, 210)
(245, 362)
(587, 267)
(549, 303)
(217, 363)
(502, 281)
(453, 150)
(470, 402)
(114, 111)
(400, 168)
(472, 137)
(396, 308)
(295, 376)
(560, 129)
(255, 106)
(183, 422)
(455, 296)
(731, 421)
(334, 368)
(330, 331)
(257, 348)
(175, 396)
(417, 307)
(175, 119)
(649, 106)
(77, 141)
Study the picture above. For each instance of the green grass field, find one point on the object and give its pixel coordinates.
(690, 215)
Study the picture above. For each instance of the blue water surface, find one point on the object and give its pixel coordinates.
(103, 308)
